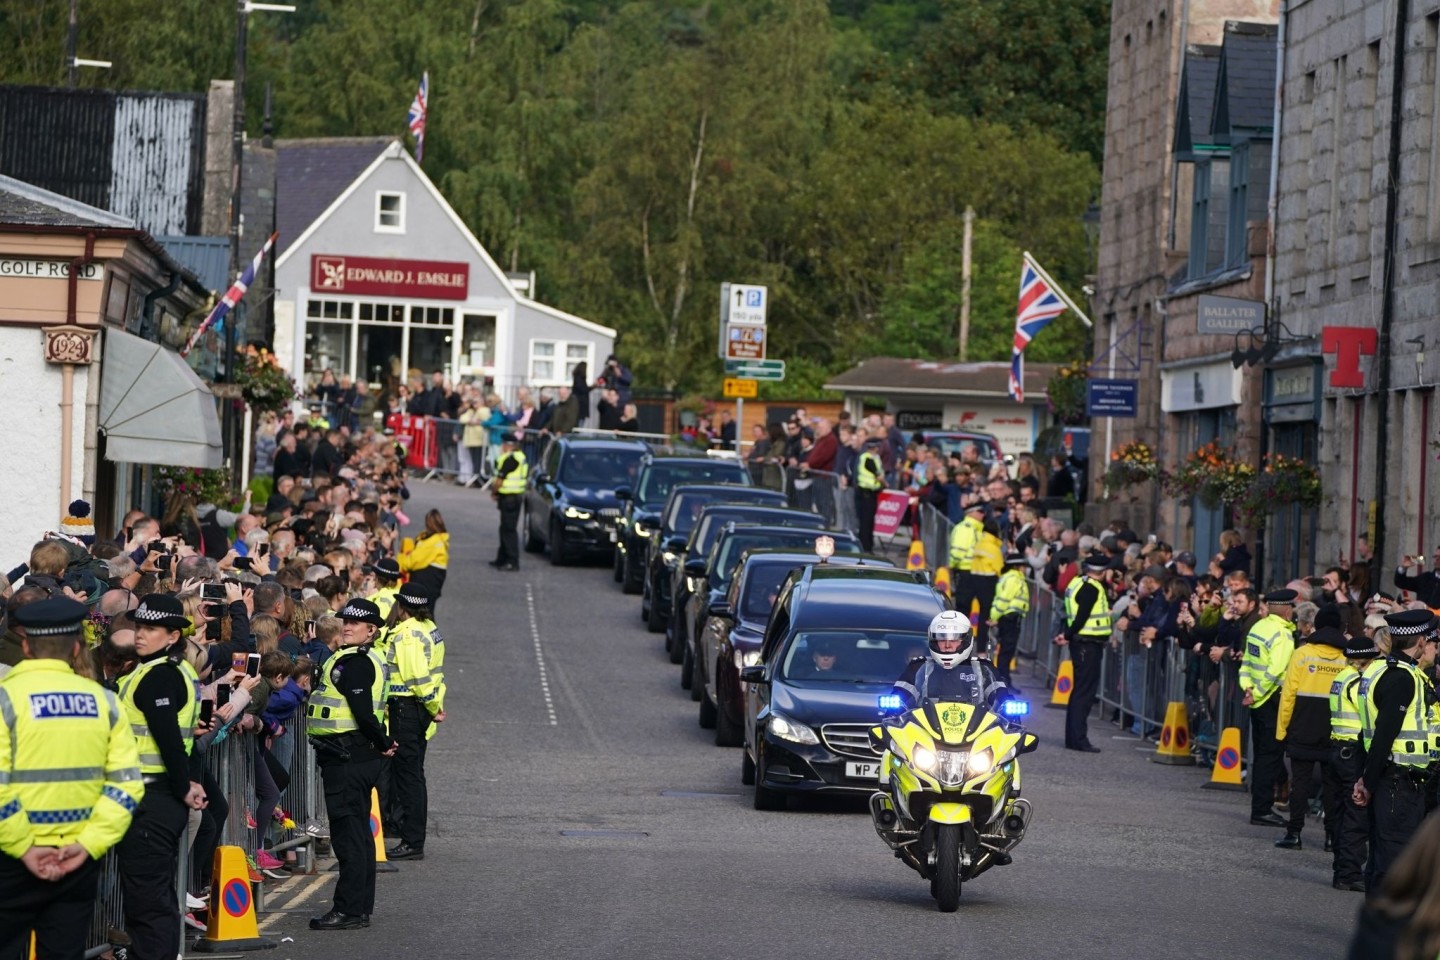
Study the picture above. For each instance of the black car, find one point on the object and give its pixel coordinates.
(712, 520)
(570, 504)
(667, 543)
(734, 629)
(838, 638)
(641, 503)
(714, 574)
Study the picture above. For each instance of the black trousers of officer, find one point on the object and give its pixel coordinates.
(347, 802)
(148, 855)
(1396, 809)
(865, 504)
(1268, 756)
(1309, 769)
(409, 722)
(509, 528)
(1085, 654)
(1007, 639)
(1352, 830)
(58, 911)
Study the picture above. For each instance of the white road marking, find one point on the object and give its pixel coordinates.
(316, 882)
(540, 656)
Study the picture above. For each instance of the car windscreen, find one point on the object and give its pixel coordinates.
(731, 547)
(851, 656)
(685, 509)
(709, 530)
(662, 477)
(606, 469)
(762, 585)
(947, 445)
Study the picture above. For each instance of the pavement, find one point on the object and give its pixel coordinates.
(578, 810)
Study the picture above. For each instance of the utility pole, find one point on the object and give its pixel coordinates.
(72, 39)
(965, 283)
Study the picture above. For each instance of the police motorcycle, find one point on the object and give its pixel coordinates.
(949, 802)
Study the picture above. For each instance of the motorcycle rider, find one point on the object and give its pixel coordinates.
(950, 671)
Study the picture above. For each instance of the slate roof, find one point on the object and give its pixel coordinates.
(311, 174)
(24, 204)
(882, 375)
(1196, 100)
(1245, 87)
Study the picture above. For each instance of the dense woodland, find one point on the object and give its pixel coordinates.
(636, 154)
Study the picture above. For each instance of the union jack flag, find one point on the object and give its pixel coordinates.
(1041, 301)
(232, 296)
(419, 107)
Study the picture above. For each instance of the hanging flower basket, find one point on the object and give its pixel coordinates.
(1213, 475)
(263, 383)
(1132, 464)
(1282, 482)
(201, 486)
(1065, 394)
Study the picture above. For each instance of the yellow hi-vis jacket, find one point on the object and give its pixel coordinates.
(1308, 679)
(416, 667)
(187, 716)
(988, 558)
(1268, 647)
(1098, 623)
(514, 481)
(384, 598)
(431, 551)
(69, 767)
(1413, 743)
(1344, 710)
(328, 712)
(962, 542)
(1012, 595)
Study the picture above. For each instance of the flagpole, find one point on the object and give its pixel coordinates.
(1059, 290)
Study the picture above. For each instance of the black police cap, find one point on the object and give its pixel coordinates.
(51, 618)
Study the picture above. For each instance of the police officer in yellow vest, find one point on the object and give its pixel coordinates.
(1012, 602)
(869, 481)
(387, 580)
(1087, 617)
(161, 697)
(1268, 647)
(1351, 836)
(417, 702)
(511, 472)
(69, 782)
(1395, 701)
(963, 540)
(345, 720)
(1303, 724)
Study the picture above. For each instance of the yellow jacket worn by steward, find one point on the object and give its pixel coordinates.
(431, 551)
(1304, 720)
(417, 665)
(1012, 595)
(988, 557)
(962, 542)
(69, 767)
(1268, 647)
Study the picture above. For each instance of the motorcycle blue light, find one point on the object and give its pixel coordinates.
(891, 701)
(1015, 708)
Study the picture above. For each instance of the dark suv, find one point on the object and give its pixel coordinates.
(570, 505)
(667, 543)
(838, 638)
(641, 503)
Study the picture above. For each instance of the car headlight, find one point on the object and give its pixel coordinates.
(573, 513)
(923, 758)
(981, 762)
(794, 731)
(747, 658)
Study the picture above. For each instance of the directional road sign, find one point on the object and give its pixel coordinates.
(759, 370)
(745, 304)
(732, 366)
(744, 342)
(741, 389)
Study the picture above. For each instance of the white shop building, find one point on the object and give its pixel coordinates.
(377, 276)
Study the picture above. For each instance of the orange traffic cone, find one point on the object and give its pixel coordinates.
(916, 559)
(232, 924)
(1014, 665)
(942, 580)
(1175, 738)
(382, 862)
(1064, 683)
(1226, 773)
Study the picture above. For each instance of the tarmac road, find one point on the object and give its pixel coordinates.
(578, 810)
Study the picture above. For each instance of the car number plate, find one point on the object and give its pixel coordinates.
(863, 771)
(613, 537)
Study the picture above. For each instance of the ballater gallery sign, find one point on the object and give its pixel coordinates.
(365, 276)
(1227, 316)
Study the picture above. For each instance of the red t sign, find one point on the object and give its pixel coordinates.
(1348, 344)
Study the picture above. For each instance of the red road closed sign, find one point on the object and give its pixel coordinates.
(889, 511)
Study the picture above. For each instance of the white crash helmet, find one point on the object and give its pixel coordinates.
(951, 625)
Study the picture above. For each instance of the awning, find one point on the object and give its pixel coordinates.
(153, 407)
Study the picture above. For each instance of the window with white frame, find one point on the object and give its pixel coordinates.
(553, 362)
(389, 212)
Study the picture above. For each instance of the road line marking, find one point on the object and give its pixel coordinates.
(540, 656)
(316, 883)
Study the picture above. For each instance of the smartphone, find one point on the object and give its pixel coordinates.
(212, 592)
(242, 563)
(237, 662)
(222, 694)
(252, 665)
(163, 562)
(207, 712)
(262, 549)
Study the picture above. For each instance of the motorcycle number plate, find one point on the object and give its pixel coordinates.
(863, 771)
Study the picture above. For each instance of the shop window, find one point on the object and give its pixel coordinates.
(389, 212)
(329, 310)
(381, 313)
(477, 351)
(554, 361)
(327, 347)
